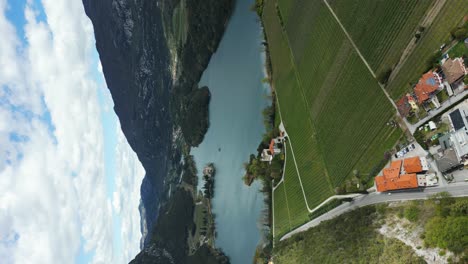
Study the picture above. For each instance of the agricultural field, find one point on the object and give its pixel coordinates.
(432, 38)
(381, 28)
(333, 109)
(289, 194)
(281, 211)
(285, 6)
(308, 158)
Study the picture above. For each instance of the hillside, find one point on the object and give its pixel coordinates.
(161, 115)
(429, 231)
(330, 60)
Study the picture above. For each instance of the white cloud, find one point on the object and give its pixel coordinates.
(128, 190)
(52, 185)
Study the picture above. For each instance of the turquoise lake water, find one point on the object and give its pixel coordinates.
(236, 126)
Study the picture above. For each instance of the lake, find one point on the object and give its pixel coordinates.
(234, 77)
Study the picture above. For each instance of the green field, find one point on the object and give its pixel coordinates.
(459, 50)
(433, 37)
(289, 193)
(307, 155)
(281, 211)
(333, 109)
(381, 28)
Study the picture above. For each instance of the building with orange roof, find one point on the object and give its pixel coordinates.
(393, 180)
(412, 165)
(273, 149)
(415, 165)
(406, 105)
(427, 86)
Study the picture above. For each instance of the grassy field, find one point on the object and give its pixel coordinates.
(380, 28)
(339, 94)
(289, 194)
(333, 109)
(281, 211)
(458, 50)
(301, 130)
(433, 37)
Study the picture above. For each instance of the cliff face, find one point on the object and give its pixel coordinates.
(135, 61)
(152, 103)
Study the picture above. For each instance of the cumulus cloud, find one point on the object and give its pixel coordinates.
(52, 174)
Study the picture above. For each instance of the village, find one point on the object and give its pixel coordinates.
(441, 136)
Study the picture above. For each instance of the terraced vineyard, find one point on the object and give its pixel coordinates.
(333, 109)
(281, 211)
(332, 106)
(433, 37)
(290, 207)
(381, 28)
(308, 157)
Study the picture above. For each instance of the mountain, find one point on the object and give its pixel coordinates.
(152, 72)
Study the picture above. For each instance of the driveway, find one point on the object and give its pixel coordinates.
(445, 105)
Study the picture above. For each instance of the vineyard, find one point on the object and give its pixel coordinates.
(382, 29)
(336, 115)
(281, 212)
(433, 37)
(290, 208)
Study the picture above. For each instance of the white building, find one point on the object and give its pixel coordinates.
(459, 132)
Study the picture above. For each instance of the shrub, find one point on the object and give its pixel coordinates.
(412, 213)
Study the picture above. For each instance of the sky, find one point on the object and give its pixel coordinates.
(69, 181)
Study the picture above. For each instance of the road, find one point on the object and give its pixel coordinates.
(455, 189)
(447, 104)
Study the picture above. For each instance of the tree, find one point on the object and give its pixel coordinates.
(383, 76)
(459, 208)
(460, 34)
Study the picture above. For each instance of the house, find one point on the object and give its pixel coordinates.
(427, 86)
(415, 165)
(266, 155)
(273, 149)
(459, 132)
(447, 161)
(406, 105)
(403, 106)
(454, 70)
(393, 180)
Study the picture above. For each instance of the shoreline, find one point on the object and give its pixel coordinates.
(265, 246)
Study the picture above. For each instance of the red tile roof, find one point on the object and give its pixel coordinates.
(405, 181)
(392, 180)
(403, 106)
(426, 85)
(412, 165)
(272, 146)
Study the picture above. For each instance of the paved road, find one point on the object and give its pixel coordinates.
(447, 104)
(455, 189)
